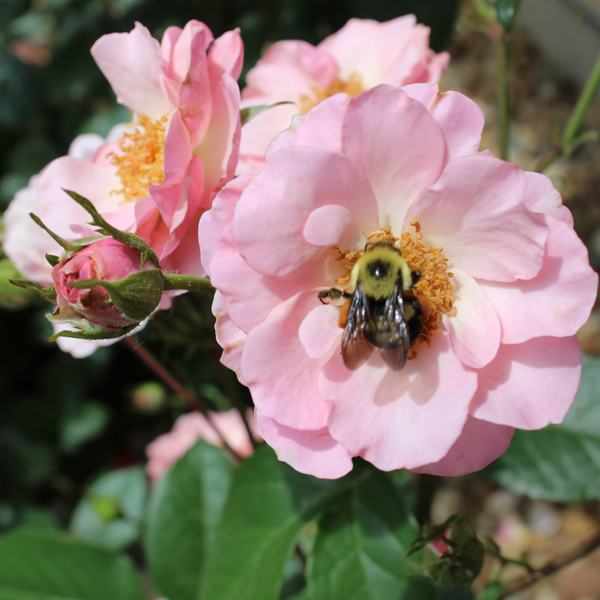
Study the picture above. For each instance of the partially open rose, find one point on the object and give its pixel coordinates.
(105, 287)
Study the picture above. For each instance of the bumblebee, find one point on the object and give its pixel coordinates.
(382, 310)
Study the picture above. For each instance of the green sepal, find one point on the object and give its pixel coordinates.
(93, 335)
(130, 239)
(136, 295)
(68, 246)
(251, 111)
(48, 294)
(52, 259)
(189, 283)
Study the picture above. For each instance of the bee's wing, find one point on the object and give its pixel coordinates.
(356, 349)
(395, 323)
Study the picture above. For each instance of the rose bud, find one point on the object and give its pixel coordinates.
(454, 558)
(105, 287)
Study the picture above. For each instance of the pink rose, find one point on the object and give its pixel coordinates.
(110, 261)
(167, 449)
(156, 176)
(363, 54)
(505, 285)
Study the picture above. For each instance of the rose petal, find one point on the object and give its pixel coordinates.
(94, 182)
(398, 146)
(475, 213)
(529, 385)
(399, 419)
(320, 331)
(311, 452)
(274, 356)
(278, 203)
(333, 225)
(229, 337)
(479, 444)
(219, 145)
(195, 99)
(215, 220)
(319, 128)
(132, 64)
(474, 332)
(372, 49)
(557, 301)
(227, 51)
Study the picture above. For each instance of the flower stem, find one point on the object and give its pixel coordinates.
(187, 282)
(581, 108)
(530, 578)
(504, 94)
(569, 139)
(167, 378)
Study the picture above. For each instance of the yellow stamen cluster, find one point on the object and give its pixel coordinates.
(141, 161)
(351, 87)
(435, 287)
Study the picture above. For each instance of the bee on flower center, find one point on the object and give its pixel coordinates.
(381, 309)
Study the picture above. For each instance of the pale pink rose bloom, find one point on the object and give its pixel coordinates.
(504, 355)
(363, 54)
(167, 449)
(165, 169)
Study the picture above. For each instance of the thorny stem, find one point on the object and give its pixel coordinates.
(529, 579)
(504, 94)
(167, 378)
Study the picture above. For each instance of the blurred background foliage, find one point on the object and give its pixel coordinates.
(65, 421)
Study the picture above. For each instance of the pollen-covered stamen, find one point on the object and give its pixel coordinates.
(141, 161)
(434, 288)
(351, 87)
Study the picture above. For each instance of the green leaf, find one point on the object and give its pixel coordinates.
(507, 13)
(43, 565)
(82, 425)
(560, 462)
(360, 548)
(112, 512)
(268, 505)
(251, 111)
(185, 506)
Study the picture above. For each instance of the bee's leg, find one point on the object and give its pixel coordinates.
(332, 294)
(416, 276)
